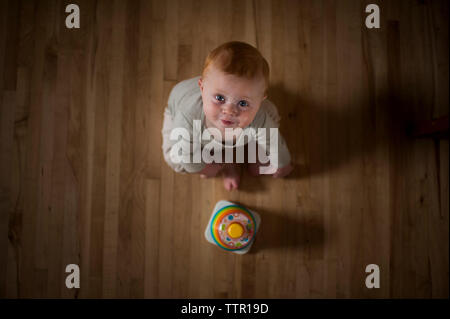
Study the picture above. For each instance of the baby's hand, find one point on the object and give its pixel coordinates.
(211, 170)
(283, 171)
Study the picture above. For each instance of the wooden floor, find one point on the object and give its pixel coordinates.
(82, 179)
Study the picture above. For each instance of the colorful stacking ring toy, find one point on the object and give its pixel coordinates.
(233, 227)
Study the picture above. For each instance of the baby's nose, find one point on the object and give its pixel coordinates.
(229, 108)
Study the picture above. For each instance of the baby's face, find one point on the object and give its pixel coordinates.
(230, 101)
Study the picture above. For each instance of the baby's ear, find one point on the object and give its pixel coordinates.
(200, 84)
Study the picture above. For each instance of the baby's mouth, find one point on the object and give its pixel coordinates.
(227, 122)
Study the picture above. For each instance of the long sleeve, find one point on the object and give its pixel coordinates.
(272, 137)
(183, 146)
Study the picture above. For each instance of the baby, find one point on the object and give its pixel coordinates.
(231, 94)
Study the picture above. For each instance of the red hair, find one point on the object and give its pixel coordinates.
(240, 59)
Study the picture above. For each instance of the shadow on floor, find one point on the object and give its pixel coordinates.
(279, 230)
(322, 137)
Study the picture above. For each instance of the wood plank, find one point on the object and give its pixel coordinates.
(7, 192)
(171, 42)
(9, 72)
(83, 131)
(166, 238)
(113, 151)
(152, 237)
(97, 150)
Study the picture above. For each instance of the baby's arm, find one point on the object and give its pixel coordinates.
(181, 141)
(285, 166)
(280, 162)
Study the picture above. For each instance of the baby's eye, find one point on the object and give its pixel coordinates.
(219, 98)
(243, 103)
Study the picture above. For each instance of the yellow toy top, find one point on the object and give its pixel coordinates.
(235, 230)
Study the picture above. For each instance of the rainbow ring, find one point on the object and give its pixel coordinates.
(233, 227)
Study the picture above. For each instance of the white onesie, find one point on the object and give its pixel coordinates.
(185, 105)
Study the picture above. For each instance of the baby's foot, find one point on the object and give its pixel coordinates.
(231, 176)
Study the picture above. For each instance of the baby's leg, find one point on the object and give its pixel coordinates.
(232, 171)
(253, 168)
(231, 176)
